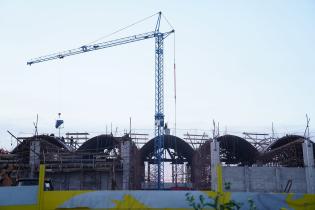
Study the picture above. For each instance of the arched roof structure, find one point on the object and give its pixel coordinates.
(170, 142)
(286, 151)
(44, 139)
(283, 141)
(99, 143)
(236, 150)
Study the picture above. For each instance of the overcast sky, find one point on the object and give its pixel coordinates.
(245, 64)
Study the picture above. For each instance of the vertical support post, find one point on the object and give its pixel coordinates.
(125, 154)
(309, 166)
(149, 172)
(215, 162)
(246, 179)
(173, 173)
(220, 178)
(278, 179)
(34, 160)
(41, 181)
(159, 111)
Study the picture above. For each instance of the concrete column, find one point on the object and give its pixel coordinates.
(278, 181)
(34, 159)
(215, 160)
(125, 155)
(309, 166)
(247, 179)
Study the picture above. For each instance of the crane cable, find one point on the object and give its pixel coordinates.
(121, 29)
(168, 22)
(175, 95)
(103, 37)
(175, 106)
(174, 63)
(174, 66)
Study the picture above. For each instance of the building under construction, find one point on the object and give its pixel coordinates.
(253, 162)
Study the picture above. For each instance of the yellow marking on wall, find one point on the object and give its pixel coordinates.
(129, 202)
(223, 197)
(23, 207)
(306, 202)
(53, 199)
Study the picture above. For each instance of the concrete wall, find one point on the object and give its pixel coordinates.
(84, 180)
(265, 179)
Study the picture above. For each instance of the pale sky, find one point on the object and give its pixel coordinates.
(245, 64)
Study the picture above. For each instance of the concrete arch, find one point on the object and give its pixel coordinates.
(44, 139)
(236, 150)
(286, 151)
(170, 142)
(99, 143)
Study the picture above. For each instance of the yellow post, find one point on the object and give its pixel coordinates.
(220, 192)
(41, 182)
(219, 178)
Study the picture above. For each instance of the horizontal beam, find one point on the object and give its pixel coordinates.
(77, 134)
(256, 134)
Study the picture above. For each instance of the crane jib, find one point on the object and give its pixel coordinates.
(97, 46)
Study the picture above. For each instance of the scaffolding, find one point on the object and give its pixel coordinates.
(109, 162)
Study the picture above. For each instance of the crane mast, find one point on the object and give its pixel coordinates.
(159, 107)
(159, 84)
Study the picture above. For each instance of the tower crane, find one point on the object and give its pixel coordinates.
(159, 84)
